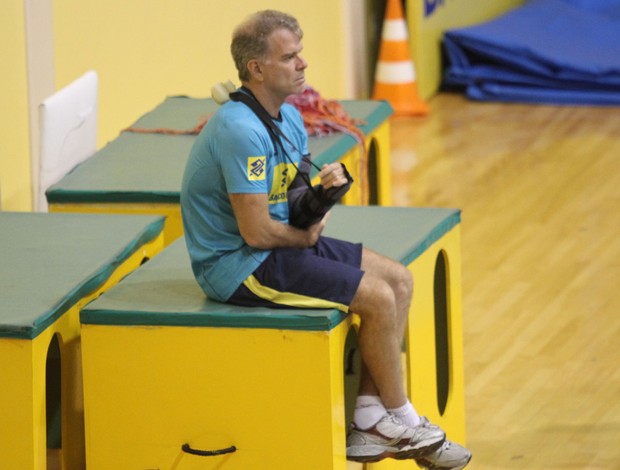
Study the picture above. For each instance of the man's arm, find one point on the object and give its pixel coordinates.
(259, 230)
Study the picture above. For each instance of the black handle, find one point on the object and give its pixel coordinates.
(207, 453)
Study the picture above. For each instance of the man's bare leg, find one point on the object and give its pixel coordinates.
(393, 307)
(385, 422)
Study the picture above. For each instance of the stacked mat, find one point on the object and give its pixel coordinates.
(546, 51)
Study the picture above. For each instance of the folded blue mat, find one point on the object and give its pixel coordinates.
(547, 51)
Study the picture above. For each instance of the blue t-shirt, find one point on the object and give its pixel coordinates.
(234, 153)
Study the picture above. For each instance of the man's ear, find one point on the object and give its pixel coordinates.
(255, 69)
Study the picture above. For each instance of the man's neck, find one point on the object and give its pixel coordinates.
(268, 101)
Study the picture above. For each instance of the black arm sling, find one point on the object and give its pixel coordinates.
(307, 204)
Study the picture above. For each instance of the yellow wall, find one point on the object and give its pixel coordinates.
(145, 50)
(14, 143)
(425, 32)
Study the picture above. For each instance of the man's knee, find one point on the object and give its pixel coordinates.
(403, 282)
(373, 296)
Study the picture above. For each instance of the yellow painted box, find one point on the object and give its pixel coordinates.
(52, 265)
(173, 380)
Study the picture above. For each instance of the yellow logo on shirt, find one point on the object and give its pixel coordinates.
(256, 168)
(283, 176)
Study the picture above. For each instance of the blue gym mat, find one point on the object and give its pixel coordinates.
(546, 51)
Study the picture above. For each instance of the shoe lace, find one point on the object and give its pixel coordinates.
(445, 447)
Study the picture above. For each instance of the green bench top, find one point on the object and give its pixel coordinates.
(148, 168)
(164, 292)
(51, 261)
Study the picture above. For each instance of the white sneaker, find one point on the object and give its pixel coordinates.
(391, 438)
(450, 456)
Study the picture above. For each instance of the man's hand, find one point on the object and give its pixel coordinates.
(332, 175)
(314, 231)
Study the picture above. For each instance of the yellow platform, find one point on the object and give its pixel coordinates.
(52, 265)
(142, 173)
(167, 371)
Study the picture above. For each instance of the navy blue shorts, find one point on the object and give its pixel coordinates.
(326, 275)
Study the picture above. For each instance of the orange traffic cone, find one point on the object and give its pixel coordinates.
(395, 79)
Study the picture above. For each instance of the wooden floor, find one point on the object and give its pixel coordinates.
(539, 189)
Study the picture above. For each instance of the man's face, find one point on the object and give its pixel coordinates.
(283, 70)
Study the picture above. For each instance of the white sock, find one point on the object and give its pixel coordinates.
(369, 410)
(407, 414)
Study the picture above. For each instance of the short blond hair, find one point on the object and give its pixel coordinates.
(250, 38)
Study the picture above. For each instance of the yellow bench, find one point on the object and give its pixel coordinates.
(140, 173)
(52, 265)
(169, 374)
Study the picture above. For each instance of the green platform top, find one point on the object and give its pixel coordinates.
(164, 292)
(51, 261)
(148, 168)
